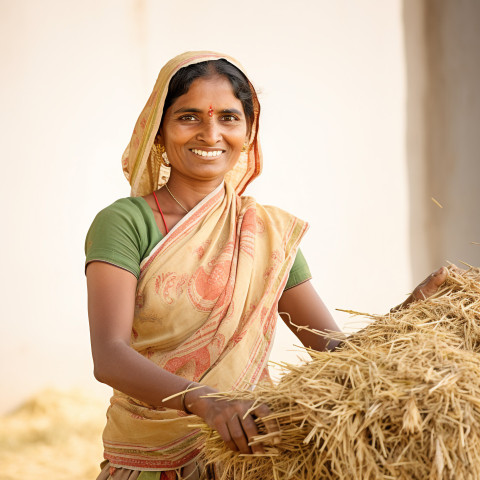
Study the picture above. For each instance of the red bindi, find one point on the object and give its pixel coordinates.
(210, 111)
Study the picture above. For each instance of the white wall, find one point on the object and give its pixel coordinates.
(75, 75)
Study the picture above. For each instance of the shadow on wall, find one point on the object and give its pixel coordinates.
(442, 39)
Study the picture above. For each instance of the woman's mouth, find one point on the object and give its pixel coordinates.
(206, 153)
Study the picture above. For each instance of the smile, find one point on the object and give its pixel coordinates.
(205, 153)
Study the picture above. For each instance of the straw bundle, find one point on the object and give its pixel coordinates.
(399, 400)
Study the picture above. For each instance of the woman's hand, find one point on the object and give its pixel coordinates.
(425, 289)
(230, 419)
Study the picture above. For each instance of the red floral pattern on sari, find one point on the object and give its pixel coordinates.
(210, 288)
(170, 286)
(200, 251)
(247, 230)
(194, 364)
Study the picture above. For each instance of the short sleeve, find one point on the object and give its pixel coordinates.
(299, 272)
(119, 236)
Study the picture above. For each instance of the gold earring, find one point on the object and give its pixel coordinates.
(245, 147)
(165, 157)
(160, 154)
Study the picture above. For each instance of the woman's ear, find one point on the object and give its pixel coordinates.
(159, 137)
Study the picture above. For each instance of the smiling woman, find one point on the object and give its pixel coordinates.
(185, 277)
(203, 133)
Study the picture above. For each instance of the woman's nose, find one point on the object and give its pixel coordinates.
(210, 132)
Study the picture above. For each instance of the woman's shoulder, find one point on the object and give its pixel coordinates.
(122, 233)
(131, 206)
(132, 213)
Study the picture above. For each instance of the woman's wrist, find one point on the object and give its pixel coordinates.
(194, 401)
(182, 398)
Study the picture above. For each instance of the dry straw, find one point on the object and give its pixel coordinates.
(399, 400)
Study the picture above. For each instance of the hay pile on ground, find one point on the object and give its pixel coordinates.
(55, 435)
(399, 400)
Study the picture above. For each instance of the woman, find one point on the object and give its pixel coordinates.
(186, 278)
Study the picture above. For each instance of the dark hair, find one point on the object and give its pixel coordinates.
(181, 81)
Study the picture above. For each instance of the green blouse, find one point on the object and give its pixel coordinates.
(125, 233)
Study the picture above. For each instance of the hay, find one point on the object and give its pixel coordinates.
(54, 435)
(399, 400)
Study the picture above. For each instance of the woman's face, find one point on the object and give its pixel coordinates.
(204, 130)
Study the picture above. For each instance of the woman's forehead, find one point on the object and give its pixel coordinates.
(209, 90)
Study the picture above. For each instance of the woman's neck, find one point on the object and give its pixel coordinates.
(188, 193)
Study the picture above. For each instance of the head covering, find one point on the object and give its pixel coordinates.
(140, 166)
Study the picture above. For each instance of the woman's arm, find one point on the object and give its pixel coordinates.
(111, 300)
(306, 309)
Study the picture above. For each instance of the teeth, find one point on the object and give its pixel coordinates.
(204, 153)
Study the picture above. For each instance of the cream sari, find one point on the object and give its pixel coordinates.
(206, 300)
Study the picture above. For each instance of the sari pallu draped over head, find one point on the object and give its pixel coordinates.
(207, 295)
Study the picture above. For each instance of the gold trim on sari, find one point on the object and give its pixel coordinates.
(206, 299)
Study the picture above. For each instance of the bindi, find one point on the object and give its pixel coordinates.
(210, 111)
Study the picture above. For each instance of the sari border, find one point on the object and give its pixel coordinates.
(151, 465)
(164, 446)
(302, 227)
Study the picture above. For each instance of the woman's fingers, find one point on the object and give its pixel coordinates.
(236, 424)
(238, 434)
(224, 432)
(250, 428)
(427, 288)
(242, 427)
(262, 411)
(431, 284)
(243, 430)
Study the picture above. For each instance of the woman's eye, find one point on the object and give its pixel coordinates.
(188, 118)
(229, 118)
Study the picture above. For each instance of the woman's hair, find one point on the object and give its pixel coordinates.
(181, 81)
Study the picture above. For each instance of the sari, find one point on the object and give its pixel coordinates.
(207, 295)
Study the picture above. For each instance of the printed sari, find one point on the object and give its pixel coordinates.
(207, 295)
